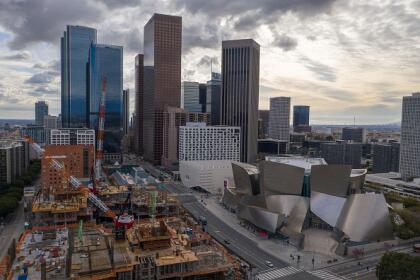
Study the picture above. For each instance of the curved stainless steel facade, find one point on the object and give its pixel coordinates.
(281, 208)
(280, 178)
(331, 179)
(366, 217)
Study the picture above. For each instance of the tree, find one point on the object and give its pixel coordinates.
(398, 266)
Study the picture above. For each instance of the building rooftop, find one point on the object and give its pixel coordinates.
(298, 161)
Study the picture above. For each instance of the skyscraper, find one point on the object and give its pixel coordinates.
(41, 110)
(342, 153)
(240, 92)
(126, 111)
(410, 137)
(162, 78)
(279, 118)
(263, 117)
(75, 45)
(105, 62)
(139, 89)
(301, 118)
(356, 134)
(203, 97)
(190, 97)
(213, 95)
(386, 157)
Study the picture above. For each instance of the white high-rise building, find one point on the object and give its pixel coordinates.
(200, 142)
(279, 118)
(410, 137)
(72, 137)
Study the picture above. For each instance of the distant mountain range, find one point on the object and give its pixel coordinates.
(15, 122)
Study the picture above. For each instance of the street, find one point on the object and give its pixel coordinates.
(12, 230)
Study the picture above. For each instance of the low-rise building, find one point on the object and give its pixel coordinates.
(205, 174)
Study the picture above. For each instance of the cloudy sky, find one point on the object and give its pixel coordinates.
(344, 58)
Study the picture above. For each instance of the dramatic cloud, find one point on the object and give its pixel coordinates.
(207, 61)
(285, 42)
(322, 71)
(42, 78)
(329, 54)
(44, 20)
(24, 55)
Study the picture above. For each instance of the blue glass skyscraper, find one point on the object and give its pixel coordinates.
(106, 61)
(75, 45)
(301, 118)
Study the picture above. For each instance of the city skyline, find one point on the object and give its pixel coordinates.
(328, 56)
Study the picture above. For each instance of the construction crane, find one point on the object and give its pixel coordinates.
(123, 221)
(100, 137)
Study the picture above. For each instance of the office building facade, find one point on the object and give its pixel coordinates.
(263, 118)
(138, 110)
(162, 79)
(41, 110)
(240, 92)
(202, 88)
(190, 97)
(75, 47)
(14, 160)
(213, 97)
(79, 159)
(279, 118)
(355, 134)
(342, 153)
(36, 132)
(126, 111)
(410, 137)
(51, 122)
(106, 62)
(72, 136)
(386, 157)
(301, 118)
(197, 141)
(173, 119)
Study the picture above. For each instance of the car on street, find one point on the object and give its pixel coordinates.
(269, 264)
(226, 241)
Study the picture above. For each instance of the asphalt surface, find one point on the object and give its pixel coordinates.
(365, 267)
(233, 240)
(12, 230)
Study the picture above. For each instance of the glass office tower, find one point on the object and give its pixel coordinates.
(106, 61)
(75, 45)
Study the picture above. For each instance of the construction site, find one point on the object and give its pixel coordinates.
(88, 223)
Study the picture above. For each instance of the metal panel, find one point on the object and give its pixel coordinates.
(357, 180)
(327, 207)
(365, 217)
(246, 178)
(260, 217)
(294, 208)
(280, 178)
(331, 179)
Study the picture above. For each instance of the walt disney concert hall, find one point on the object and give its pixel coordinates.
(288, 198)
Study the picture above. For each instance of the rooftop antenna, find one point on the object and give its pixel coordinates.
(211, 66)
(354, 121)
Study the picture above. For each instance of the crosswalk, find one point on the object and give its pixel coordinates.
(289, 271)
(277, 273)
(326, 275)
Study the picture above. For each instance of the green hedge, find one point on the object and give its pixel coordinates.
(398, 266)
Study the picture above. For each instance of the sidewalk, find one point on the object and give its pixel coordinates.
(275, 247)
